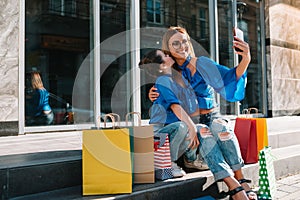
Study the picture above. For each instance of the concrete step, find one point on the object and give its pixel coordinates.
(284, 139)
(191, 186)
(283, 124)
(283, 131)
(32, 173)
(56, 172)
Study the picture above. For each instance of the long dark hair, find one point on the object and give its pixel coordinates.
(151, 63)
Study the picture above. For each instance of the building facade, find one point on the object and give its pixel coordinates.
(87, 52)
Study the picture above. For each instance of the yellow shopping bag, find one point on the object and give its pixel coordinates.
(106, 161)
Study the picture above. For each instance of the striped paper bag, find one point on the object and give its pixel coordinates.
(162, 161)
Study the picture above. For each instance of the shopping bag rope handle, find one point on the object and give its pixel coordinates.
(117, 116)
(134, 113)
(255, 109)
(112, 119)
(247, 112)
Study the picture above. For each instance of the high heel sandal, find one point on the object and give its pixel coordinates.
(234, 192)
(249, 192)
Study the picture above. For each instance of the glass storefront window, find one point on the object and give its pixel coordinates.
(115, 59)
(58, 39)
(248, 20)
(194, 16)
(59, 44)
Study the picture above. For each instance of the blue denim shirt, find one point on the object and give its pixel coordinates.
(38, 103)
(171, 93)
(211, 76)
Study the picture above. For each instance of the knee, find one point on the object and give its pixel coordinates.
(205, 132)
(224, 136)
(182, 127)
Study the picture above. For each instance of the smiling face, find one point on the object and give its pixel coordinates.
(177, 41)
(179, 45)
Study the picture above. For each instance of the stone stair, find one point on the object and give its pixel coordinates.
(57, 174)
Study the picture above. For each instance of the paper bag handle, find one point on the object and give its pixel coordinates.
(250, 109)
(134, 113)
(245, 111)
(117, 117)
(112, 119)
(98, 122)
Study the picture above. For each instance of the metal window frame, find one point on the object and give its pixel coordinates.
(214, 34)
(135, 55)
(235, 57)
(263, 58)
(21, 67)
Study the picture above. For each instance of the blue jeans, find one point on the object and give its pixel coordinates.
(220, 151)
(177, 132)
(207, 118)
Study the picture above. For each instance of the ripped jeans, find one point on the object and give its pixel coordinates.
(220, 149)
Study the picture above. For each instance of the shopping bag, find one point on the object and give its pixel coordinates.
(162, 160)
(251, 132)
(245, 131)
(143, 150)
(267, 181)
(117, 119)
(261, 129)
(106, 161)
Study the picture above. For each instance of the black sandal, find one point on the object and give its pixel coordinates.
(241, 181)
(235, 191)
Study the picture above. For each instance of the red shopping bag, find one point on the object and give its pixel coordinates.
(245, 131)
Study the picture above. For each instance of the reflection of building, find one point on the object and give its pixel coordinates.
(61, 39)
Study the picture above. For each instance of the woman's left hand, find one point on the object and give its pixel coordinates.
(244, 49)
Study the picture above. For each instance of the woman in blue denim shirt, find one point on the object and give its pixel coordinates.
(206, 76)
(38, 110)
(170, 111)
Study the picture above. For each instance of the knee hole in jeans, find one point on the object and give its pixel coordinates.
(205, 133)
(225, 136)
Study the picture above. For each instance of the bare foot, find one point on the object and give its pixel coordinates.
(251, 194)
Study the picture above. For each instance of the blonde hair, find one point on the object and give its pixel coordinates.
(172, 31)
(36, 80)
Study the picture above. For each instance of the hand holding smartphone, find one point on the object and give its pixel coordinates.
(239, 34)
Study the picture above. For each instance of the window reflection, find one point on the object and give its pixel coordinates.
(58, 39)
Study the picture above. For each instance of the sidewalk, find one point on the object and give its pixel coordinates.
(288, 188)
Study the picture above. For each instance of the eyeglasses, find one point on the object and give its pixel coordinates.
(177, 44)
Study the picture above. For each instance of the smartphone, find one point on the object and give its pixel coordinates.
(238, 33)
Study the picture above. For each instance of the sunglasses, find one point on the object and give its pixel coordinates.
(177, 44)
